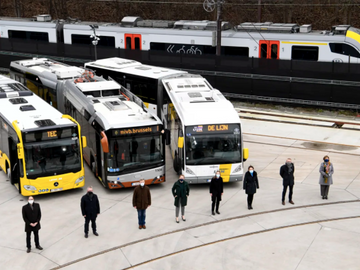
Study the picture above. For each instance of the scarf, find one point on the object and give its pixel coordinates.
(289, 168)
(326, 170)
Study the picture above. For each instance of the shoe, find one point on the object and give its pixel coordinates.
(291, 202)
(283, 203)
(251, 207)
(39, 247)
(140, 227)
(96, 233)
(28, 250)
(184, 219)
(213, 213)
(177, 220)
(144, 227)
(325, 197)
(86, 235)
(217, 212)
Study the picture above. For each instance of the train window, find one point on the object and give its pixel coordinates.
(274, 51)
(85, 39)
(310, 53)
(344, 49)
(137, 43)
(42, 36)
(128, 43)
(239, 51)
(264, 48)
(154, 46)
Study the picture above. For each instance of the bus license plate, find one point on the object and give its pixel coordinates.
(56, 189)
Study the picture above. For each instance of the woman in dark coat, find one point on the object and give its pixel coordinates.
(180, 191)
(216, 191)
(251, 183)
(326, 171)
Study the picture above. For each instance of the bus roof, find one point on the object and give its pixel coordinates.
(197, 103)
(15, 106)
(134, 68)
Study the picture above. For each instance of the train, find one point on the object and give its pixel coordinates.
(283, 41)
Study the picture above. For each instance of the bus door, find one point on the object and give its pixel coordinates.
(269, 49)
(14, 164)
(99, 164)
(132, 41)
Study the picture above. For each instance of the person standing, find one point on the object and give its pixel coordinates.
(90, 209)
(250, 185)
(141, 201)
(31, 213)
(216, 191)
(287, 173)
(326, 171)
(180, 191)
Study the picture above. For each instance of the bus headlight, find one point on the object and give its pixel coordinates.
(189, 171)
(28, 187)
(237, 169)
(80, 179)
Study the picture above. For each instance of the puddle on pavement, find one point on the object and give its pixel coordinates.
(327, 146)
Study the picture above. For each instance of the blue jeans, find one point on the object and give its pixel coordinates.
(141, 216)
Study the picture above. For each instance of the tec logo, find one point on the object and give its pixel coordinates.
(43, 190)
(56, 184)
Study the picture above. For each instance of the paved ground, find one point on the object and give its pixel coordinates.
(312, 234)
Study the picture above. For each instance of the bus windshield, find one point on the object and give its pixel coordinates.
(134, 152)
(207, 145)
(52, 152)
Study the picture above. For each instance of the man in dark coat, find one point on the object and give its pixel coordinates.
(251, 183)
(31, 213)
(287, 173)
(216, 191)
(180, 191)
(141, 201)
(90, 209)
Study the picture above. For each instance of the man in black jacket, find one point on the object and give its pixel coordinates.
(216, 191)
(90, 209)
(32, 214)
(287, 173)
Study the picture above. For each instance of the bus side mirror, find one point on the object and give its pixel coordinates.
(245, 154)
(167, 136)
(104, 142)
(181, 142)
(84, 142)
(19, 151)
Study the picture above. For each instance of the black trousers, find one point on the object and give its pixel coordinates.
(215, 200)
(290, 192)
(93, 224)
(28, 238)
(250, 198)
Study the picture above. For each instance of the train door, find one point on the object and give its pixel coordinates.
(13, 173)
(269, 49)
(132, 42)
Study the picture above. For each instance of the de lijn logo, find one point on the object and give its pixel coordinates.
(56, 184)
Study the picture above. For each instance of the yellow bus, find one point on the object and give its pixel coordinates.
(40, 148)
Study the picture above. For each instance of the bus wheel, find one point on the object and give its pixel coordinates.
(176, 164)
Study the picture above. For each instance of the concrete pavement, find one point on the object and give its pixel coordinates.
(271, 236)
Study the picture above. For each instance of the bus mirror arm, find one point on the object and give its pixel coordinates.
(245, 154)
(104, 142)
(19, 151)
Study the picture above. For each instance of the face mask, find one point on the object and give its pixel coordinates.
(181, 180)
(217, 175)
(326, 160)
(288, 162)
(251, 171)
(90, 192)
(31, 201)
(142, 184)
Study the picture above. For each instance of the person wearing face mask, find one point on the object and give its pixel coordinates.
(141, 201)
(287, 173)
(31, 213)
(250, 185)
(216, 191)
(90, 209)
(180, 191)
(326, 171)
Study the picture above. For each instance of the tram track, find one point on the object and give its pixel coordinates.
(221, 240)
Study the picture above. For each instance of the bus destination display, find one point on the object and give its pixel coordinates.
(134, 131)
(212, 129)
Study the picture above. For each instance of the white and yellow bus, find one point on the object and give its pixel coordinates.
(40, 148)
